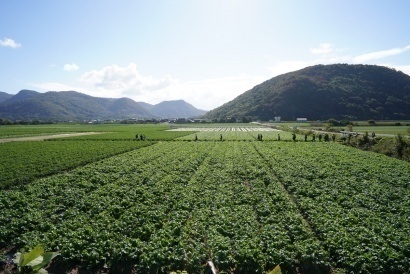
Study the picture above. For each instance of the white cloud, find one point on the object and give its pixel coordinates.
(124, 79)
(71, 67)
(380, 54)
(206, 94)
(7, 42)
(325, 53)
(324, 48)
(116, 81)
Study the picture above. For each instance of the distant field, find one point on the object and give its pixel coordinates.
(390, 129)
(22, 162)
(33, 130)
(394, 130)
(109, 131)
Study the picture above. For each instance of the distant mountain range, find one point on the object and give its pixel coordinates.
(72, 105)
(321, 92)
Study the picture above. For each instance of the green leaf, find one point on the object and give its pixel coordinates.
(35, 262)
(276, 270)
(32, 255)
(42, 271)
(47, 257)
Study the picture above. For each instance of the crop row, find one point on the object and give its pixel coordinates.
(357, 203)
(247, 206)
(164, 207)
(223, 129)
(239, 136)
(23, 162)
(103, 212)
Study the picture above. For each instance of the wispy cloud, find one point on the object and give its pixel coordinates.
(71, 67)
(53, 86)
(379, 54)
(7, 42)
(324, 48)
(327, 53)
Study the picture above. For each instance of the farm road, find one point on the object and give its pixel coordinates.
(44, 137)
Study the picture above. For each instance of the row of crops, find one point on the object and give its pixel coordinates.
(23, 162)
(247, 206)
(241, 136)
(222, 129)
(357, 203)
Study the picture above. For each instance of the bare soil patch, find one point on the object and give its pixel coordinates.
(44, 137)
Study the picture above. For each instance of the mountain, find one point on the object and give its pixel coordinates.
(72, 105)
(176, 109)
(4, 96)
(124, 106)
(23, 95)
(146, 105)
(339, 91)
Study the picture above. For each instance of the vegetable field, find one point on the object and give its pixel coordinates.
(246, 205)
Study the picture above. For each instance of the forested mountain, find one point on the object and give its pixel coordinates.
(4, 96)
(22, 95)
(176, 108)
(146, 105)
(72, 105)
(340, 91)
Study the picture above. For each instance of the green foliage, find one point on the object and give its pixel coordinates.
(34, 261)
(23, 162)
(356, 202)
(397, 147)
(402, 147)
(245, 206)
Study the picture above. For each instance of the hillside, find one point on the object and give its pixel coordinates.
(71, 105)
(146, 105)
(124, 106)
(176, 109)
(341, 91)
(22, 95)
(4, 96)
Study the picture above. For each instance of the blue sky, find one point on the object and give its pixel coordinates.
(206, 52)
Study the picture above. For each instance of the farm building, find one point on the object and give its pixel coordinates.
(301, 120)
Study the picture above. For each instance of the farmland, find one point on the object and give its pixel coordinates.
(171, 203)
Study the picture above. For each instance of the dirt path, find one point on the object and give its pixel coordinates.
(44, 137)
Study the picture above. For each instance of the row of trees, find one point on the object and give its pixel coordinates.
(30, 122)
